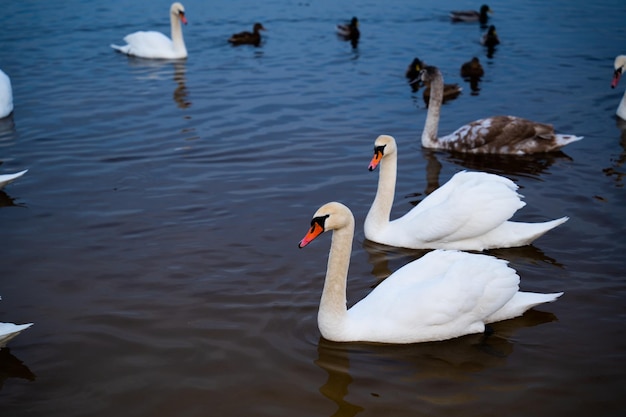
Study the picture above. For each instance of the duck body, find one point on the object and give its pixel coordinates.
(497, 134)
(443, 295)
(155, 45)
(490, 38)
(6, 179)
(248, 38)
(471, 211)
(350, 31)
(472, 69)
(620, 67)
(6, 95)
(471, 15)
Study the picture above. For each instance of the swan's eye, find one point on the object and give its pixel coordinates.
(319, 221)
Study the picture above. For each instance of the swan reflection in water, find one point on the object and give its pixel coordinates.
(423, 366)
(12, 367)
(616, 163)
(530, 166)
(159, 68)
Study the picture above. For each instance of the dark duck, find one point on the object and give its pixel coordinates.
(471, 15)
(248, 38)
(350, 31)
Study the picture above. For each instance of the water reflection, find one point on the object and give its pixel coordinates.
(532, 166)
(616, 164)
(8, 201)
(386, 259)
(422, 366)
(158, 68)
(181, 93)
(8, 133)
(12, 367)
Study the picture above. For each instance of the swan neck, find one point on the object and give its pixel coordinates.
(177, 34)
(333, 311)
(429, 134)
(621, 110)
(380, 211)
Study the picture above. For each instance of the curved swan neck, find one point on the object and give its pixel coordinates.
(177, 34)
(429, 135)
(333, 311)
(380, 211)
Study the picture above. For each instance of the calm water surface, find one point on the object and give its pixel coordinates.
(153, 241)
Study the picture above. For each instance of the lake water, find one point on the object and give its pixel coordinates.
(153, 241)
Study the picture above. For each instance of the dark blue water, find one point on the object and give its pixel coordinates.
(153, 240)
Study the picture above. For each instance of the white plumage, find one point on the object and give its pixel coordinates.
(6, 95)
(469, 212)
(155, 45)
(444, 294)
(6, 179)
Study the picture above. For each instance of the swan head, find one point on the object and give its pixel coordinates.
(331, 216)
(619, 65)
(429, 74)
(178, 10)
(383, 145)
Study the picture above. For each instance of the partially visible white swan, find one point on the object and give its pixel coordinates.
(6, 179)
(155, 45)
(444, 294)
(6, 95)
(620, 67)
(497, 134)
(469, 212)
(9, 330)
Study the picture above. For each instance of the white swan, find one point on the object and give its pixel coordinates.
(442, 295)
(6, 179)
(155, 45)
(6, 95)
(469, 212)
(620, 66)
(497, 134)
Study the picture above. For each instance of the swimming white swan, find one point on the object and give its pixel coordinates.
(469, 212)
(6, 179)
(620, 66)
(155, 45)
(6, 95)
(442, 295)
(497, 134)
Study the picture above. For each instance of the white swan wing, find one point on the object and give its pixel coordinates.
(469, 205)
(6, 179)
(441, 295)
(147, 44)
(9, 330)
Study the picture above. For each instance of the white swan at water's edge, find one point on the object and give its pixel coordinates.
(497, 134)
(6, 95)
(6, 179)
(444, 294)
(155, 45)
(469, 212)
(620, 67)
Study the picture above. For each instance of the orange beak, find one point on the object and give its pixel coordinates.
(378, 156)
(183, 18)
(314, 232)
